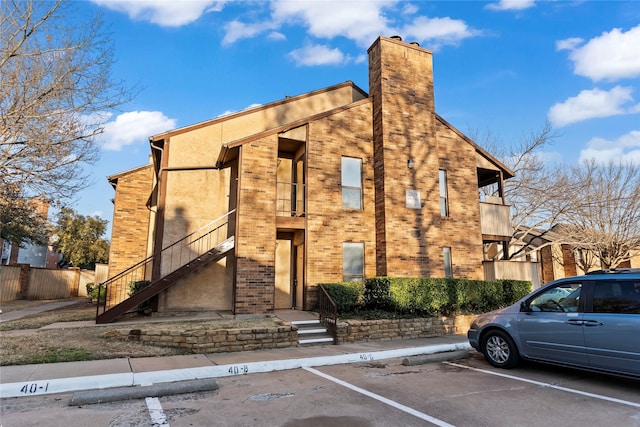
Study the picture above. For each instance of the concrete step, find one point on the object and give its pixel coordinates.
(316, 340)
(312, 332)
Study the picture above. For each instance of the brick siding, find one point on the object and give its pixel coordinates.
(131, 217)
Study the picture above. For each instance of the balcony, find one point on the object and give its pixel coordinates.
(495, 220)
(290, 206)
(515, 270)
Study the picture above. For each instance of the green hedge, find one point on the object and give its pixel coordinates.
(346, 295)
(426, 296)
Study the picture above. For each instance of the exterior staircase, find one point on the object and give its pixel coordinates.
(312, 332)
(206, 245)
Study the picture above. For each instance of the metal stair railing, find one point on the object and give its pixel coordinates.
(328, 312)
(180, 253)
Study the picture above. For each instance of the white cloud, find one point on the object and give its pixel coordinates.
(317, 55)
(626, 148)
(361, 21)
(511, 5)
(568, 44)
(611, 56)
(550, 157)
(591, 104)
(437, 31)
(275, 35)
(228, 112)
(134, 127)
(165, 13)
(236, 30)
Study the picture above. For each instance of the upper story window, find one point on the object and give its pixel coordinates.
(353, 261)
(444, 208)
(351, 183)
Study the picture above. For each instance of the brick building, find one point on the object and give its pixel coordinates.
(332, 185)
(35, 255)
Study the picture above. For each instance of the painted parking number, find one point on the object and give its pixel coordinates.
(239, 369)
(34, 388)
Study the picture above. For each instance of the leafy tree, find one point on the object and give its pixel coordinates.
(535, 193)
(79, 239)
(55, 88)
(22, 220)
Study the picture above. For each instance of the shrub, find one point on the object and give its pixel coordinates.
(135, 287)
(376, 294)
(92, 292)
(404, 297)
(346, 295)
(513, 290)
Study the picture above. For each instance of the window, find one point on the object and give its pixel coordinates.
(444, 210)
(351, 183)
(563, 298)
(447, 262)
(352, 262)
(617, 297)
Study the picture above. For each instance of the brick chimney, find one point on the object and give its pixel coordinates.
(405, 150)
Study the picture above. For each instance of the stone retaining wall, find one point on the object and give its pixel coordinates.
(350, 331)
(215, 340)
(204, 340)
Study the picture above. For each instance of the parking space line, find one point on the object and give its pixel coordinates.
(382, 399)
(158, 418)
(548, 385)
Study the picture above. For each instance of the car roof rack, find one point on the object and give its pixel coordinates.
(615, 271)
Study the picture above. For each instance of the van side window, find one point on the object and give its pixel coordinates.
(617, 297)
(563, 298)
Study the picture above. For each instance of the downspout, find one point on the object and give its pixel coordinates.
(159, 217)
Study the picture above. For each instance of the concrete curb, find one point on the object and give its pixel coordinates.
(131, 379)
(125, 393)
(436, 358)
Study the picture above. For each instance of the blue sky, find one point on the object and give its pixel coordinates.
(500, 67)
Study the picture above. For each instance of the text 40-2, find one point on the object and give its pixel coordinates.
(34, 388)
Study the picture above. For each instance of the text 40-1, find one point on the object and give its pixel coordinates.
(34, 388)
(239, 369)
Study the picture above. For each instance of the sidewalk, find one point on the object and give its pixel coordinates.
(17, 314)
(50, 378)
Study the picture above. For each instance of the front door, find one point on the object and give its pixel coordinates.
(284, 282)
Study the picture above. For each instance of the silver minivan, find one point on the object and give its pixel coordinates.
(589, 322)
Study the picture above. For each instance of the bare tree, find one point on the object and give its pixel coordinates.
(535, 193)
(592, 208)
(55, 88)
(605, 215)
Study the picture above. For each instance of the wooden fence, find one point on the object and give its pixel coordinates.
(26, 282)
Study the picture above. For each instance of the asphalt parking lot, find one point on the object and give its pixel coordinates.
(465, 392)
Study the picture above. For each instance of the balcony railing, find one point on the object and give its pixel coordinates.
(495, 219)
(290, 199)
(516, 270)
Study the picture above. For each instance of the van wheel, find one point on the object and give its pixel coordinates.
(499, 349)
